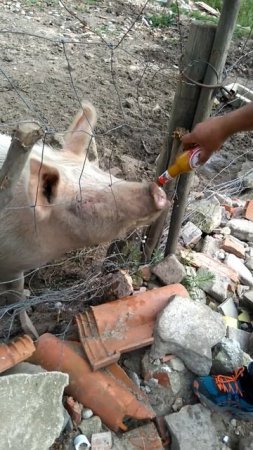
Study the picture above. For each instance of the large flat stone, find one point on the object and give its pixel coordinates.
(188, 330)
(192, 429)
(31, 410)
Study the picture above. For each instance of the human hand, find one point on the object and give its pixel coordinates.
(209, 135)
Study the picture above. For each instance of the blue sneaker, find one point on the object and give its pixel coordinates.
(232, 394)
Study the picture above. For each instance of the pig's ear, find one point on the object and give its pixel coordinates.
(80, 134)
(42, 187)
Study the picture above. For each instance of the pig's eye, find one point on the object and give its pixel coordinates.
(50, 182)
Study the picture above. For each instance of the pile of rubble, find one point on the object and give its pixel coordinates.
(126, 376)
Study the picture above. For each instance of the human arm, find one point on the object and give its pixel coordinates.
(212, 133)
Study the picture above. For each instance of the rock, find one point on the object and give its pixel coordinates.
(247, 178)
(178, 404)
(247, 300)
(170, 270)
(192, 428)
(246, 443)
(188, 330)
(177, 364)
(197, 294)
(216, 287)
(145, 272)
(223, 200)
(227, 356)
(238, 266)
(210, 246)
(234, 246)
(90, 426)
(249, 263)
(24, 367)
(242, 229)
(116, 285)
(166, 385)
(31, 410)
(87, 413)
(241, 336)
(190, 234)
(206, 214)
(228, 308)
(101, 441)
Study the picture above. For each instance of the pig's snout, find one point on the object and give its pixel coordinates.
(159, 196)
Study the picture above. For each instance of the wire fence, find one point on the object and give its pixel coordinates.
(56, 53)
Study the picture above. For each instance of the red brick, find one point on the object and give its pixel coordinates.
(249, 210)
(233, 246)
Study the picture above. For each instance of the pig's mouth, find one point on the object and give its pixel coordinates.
(159, 196)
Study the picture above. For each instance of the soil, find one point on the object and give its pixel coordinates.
(50, 60)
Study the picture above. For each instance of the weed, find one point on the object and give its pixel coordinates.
(199, 281)
(162, 20)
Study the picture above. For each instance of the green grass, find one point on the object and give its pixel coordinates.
(244, 22)
(245, 18)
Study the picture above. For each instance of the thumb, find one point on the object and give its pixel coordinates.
(187, 138)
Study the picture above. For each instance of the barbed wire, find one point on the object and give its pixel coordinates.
(147, 73)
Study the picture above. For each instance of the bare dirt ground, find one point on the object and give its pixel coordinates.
(105, 52)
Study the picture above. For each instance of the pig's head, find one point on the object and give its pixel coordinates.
(76, 203)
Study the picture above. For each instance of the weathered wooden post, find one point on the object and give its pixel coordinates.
(197, 52)
(215, 67)
(203, 61)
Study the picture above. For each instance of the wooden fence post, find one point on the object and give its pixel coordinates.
(216, 61)
(197, 52)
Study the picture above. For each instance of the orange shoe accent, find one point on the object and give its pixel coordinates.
(223, 382)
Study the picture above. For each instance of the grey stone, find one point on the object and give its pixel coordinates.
(178, 404)
(242, 229)
(240, 336)
(170, 270)
(192, 428)
(177, 364)
(246, 443)
(90, 426)
(188, 330)
(248, 180)
(31, 410)
(228, 308)
(247, 300)
(197, 295)
(190, 234)
(87, 413)
(210, 246)
(227, 356)
(24, 367)
(206, 214)
(249, 263)
(238, 266)
(216, 287)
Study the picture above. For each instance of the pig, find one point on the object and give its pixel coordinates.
(63, 201)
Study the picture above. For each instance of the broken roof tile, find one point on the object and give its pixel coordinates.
(123, 325)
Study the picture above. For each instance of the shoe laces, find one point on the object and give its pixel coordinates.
(229, 383)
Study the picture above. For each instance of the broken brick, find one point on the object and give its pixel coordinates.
(248, 214)
(234, 246)
(74, 409)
